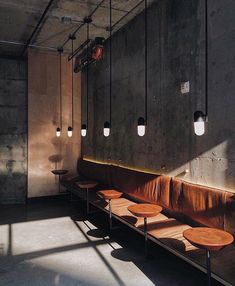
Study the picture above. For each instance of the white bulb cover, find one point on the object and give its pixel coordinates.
(141, 130)
(58, 133)
(199, 128)
(70, 133)
(83, 132)
(106, 132)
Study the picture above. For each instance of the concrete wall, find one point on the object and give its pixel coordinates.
(13, 131)
(175, 54)
(46, 151)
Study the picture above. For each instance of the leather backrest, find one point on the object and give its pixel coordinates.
(194, 203)
(94, 171)
(203, 205)
(229, 216)
(139, 185)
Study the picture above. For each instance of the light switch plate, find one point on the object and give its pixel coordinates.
(185, 87)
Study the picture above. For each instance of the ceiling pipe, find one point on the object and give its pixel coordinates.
(38, 25)
(84, 22)
(30, 46)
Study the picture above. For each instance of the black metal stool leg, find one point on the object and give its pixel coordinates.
(110, 215)
(208, 264)
(59, 185)
(87, 201)
(145, 237)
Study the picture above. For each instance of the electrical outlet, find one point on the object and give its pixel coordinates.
(184, 87)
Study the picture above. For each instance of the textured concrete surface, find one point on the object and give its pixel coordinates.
(47, 152)
(19, 18)
(13, 131)
(50, 244)
(175, 54)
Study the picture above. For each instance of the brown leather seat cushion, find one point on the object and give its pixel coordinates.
(194, 203)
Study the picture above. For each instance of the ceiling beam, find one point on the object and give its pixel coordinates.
(38, 25)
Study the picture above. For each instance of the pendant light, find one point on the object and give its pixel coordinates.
(200, 118)
(70, 128)
(142, 122)
(59, 129)
(107, 124)
(84, 128)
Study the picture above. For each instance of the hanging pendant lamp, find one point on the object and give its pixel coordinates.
(142, 122)
(200, 118)
(84, 128)
(59, 129)
(70, 128)
(107, 124)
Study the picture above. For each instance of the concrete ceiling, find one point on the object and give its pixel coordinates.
(18, 20)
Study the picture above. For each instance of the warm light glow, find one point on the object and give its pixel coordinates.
(199, 128)
(58, 132)
(106, 132)
(83, 132)
(70, 131)
(141, 130)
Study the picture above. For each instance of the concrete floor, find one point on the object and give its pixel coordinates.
(50, 243)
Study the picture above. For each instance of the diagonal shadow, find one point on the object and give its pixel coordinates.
(114, 273)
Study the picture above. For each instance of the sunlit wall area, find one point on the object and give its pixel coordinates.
(176, 54)
(46, 151)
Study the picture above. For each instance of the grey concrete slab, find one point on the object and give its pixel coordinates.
(50, 243)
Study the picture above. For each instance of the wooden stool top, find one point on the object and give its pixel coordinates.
(145, 210)
(59, 172)
(109, 194)
(87, 184)
(208, 238)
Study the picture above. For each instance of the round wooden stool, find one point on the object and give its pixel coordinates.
(210, 239)
(59, 173)
(109, 195)
(87, 185)
(145, 211)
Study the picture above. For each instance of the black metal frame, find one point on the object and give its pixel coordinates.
(82, 24)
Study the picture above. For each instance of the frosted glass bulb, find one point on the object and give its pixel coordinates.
(141, 130)
(106, 132)
(199, 128)
(83, 132)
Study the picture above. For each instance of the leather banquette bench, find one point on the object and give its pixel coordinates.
(184, 205)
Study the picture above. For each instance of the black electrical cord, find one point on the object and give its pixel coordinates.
(206, 58)
(110, 62)
(72, 84)
(146, 60)
(87, 77)
(60, 91)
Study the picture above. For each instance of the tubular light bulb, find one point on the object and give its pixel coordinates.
(58, 132)
(199, 123)
(70, 131)
(199, 128)
(141, 127)
(83, 130)
(106, 129)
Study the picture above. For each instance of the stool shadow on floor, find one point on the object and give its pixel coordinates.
(97, 233)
